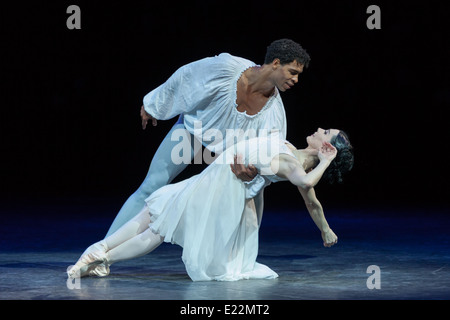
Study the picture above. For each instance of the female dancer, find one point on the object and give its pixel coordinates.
(212, 215)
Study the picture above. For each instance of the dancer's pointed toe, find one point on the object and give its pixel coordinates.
(73, 272)
(95, 255)
(100, 270)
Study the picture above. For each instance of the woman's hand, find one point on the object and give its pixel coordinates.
(145, 117)
(329, 238)
(327, 152)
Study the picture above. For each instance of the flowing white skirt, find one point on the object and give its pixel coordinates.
(217, 227)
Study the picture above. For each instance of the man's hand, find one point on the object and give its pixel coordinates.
(145, 117)
(241, 171)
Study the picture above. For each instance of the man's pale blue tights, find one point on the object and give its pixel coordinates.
(161, 172)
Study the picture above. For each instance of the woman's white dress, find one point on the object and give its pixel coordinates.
(212, 215)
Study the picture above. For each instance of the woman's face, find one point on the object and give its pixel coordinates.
(320, 136)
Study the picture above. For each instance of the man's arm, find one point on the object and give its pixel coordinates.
(188, 88)
(242, 172)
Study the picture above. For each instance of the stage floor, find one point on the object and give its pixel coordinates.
(411, 248)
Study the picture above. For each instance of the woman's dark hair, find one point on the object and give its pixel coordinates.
(287, 51)
(344, 160)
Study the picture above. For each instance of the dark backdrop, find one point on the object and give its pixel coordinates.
(70, 125)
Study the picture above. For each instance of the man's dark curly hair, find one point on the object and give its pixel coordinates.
(287, 51)
(344, 160)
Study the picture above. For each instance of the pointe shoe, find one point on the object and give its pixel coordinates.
(100, 270)
(86, 263)
(73, 272)
(93, 270)
(96, 247)
(94, 255)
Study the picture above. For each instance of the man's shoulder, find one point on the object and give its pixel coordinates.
(226, 57)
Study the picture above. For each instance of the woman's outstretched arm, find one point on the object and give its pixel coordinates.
(316, 212)
(291, 169)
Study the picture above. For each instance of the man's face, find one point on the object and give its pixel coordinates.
(286, 76)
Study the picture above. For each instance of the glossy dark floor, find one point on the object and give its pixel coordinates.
(410, 248)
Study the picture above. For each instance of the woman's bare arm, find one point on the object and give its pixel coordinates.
(316, 212)
(291, 169)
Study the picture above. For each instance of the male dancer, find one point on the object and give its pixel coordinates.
(220, 93)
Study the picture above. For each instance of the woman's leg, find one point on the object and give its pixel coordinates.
(133, 240)
(132, 228)
(161, 172)
(134, 237)
(137, 246)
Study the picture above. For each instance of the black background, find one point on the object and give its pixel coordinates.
(70, 125)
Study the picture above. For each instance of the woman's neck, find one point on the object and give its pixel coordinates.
(307, 157)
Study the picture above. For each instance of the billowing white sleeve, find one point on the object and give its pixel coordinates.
(183, 92)
(252, 188)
